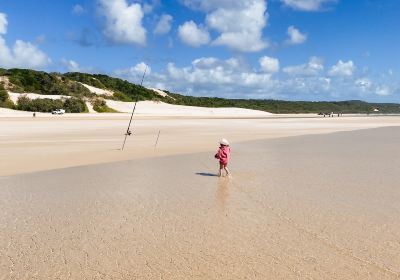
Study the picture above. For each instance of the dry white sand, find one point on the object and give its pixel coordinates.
(148, 108)
(49, 142)
(14, 96)
(98, 91)
(90, 108)
(159, 92)
(310, 207)
(165, 109)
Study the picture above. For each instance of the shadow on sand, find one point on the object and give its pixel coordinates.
(207, 174)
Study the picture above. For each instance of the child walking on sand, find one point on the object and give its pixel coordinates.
(223, 155)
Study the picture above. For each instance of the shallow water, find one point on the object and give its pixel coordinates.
(309, 207)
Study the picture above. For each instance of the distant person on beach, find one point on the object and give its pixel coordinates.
(223, 155)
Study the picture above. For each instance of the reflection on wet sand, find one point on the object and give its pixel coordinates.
(222, 194)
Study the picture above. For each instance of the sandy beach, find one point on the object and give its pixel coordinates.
(49, 142)
(310, 198)
(118, 118)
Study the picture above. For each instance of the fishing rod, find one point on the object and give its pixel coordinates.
(128, 132)
(158, 136)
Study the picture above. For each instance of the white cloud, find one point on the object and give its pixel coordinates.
(239, 22)
(209, 5)
(205, 62)
(164, 24)
(383, 90)
(140, 68)
(147, 8)
(312, 68)
(380, 86)
(123, 21)
(233, 77)
(210, 76)
(364, 84)
(240, 27)
(135, 73)
(26, 54)
(295, 36)
(73, 66)
(150, 5)
(236, 78)
(78, 9)
(307, 5)
(207, 73)
(269, 64)
(3, 24)
(342, 69)
(193, 35)
(22, 54)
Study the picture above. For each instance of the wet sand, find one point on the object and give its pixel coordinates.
(307, 207)
(43, 143)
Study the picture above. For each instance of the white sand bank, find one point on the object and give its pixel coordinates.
(14, 96)
(160, 108)
(98, 91)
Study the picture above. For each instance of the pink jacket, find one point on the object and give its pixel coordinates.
(223, 154)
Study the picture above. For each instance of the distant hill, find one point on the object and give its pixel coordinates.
(78, 85)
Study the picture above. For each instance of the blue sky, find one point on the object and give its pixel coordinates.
(281, 49)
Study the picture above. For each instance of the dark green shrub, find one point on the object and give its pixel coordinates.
(131, 90)
(46, 105)
(3, 93)
(5, 100)
(100, 106)
(74, 105)
(25, 80)
(122, 97)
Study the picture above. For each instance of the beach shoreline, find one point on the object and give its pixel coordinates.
(35, 144)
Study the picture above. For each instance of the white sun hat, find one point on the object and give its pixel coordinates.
(224, 142)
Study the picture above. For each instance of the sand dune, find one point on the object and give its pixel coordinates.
(160, 108)
(145, 107)
(98, 91)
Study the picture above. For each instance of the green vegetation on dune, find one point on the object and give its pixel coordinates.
(23, 80)
(3, 93)
(124, 90)
(5, 101)
(38, 105)
(286, 107)
(46, 105)
(100, 106)
(75, 105)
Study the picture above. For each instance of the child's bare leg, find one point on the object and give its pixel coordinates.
(227, 170)
(220, 169)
